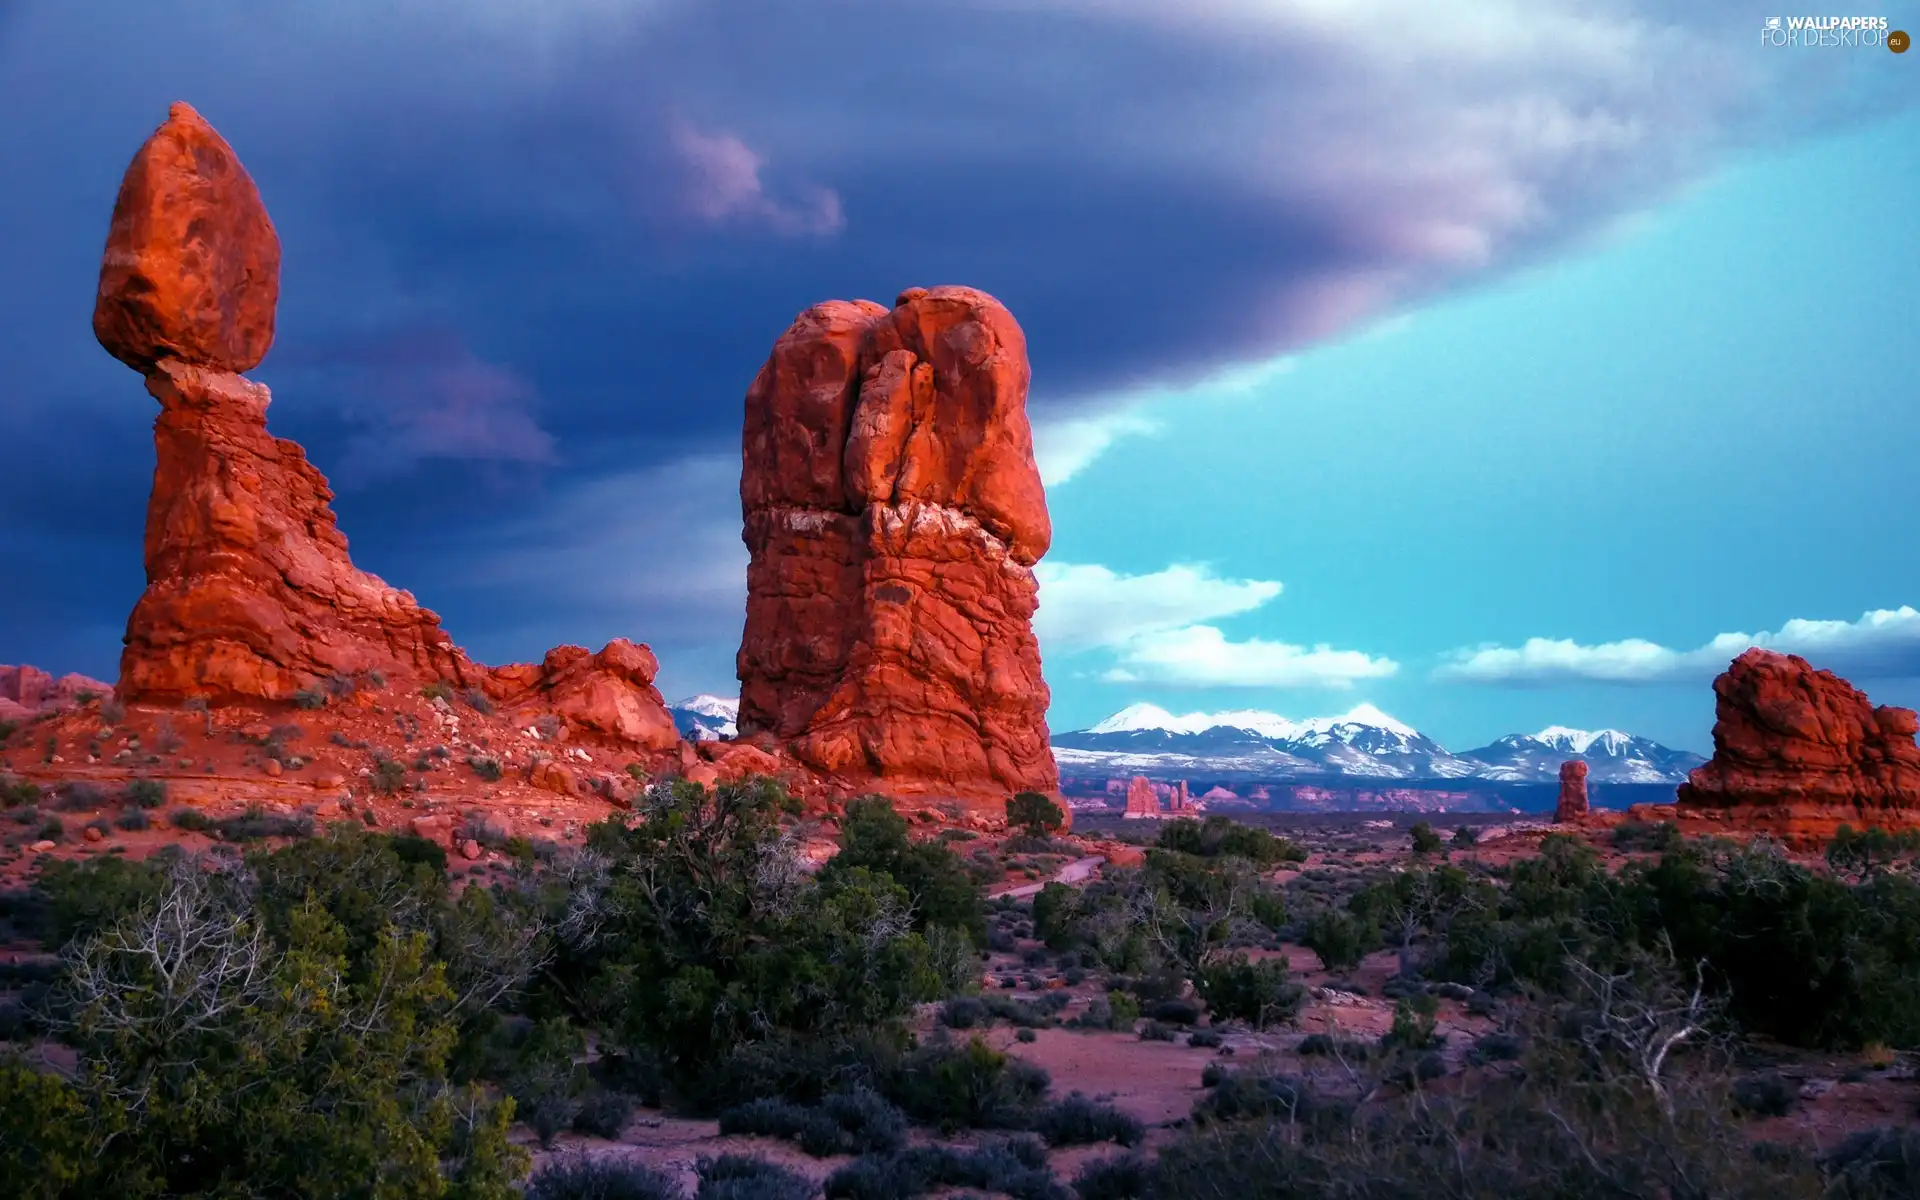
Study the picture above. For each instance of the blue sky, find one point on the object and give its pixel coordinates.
(1703, 423)
(1572, 320)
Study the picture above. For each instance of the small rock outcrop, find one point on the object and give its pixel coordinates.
(893, 515)
(1142, 800)
(1573, 791)
(251, 594)
(1801, 751)
(27, 692)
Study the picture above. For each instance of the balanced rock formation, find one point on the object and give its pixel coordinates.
(192, 268)
(1573, 791)
(27, 692)
(251, 594)
(1142, 800)
(1800, 751)
(893, 515)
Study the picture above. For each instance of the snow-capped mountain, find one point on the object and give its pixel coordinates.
(1363, 743)
(1612, 756)
(705, 718)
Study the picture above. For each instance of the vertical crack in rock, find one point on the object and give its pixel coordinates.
(893, 515)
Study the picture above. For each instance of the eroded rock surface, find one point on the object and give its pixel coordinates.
(251, 594)
(893, 517)
(1572, 804)
(192, 265)
(1803, 750)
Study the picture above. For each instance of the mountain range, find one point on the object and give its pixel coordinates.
(1364, 744)
(705, 718)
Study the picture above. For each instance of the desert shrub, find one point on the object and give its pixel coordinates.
(1874, 1164)
(51, 829)
(1341, 939)
(743, 1177)
(1767, 1094)
(389, 775)
(604, 1115)
(81, 797)
(145, 793)
(210, 1047)
(1413, 1024)
(1080, 1121)
(486, 767)
(1034, 815)
(1424, 839)
(437, 690)
(1259, 993)
(1175, 1012)
(970, 1086)
(964, 1012)
(15, 793)
(477, 701)
(723, 943)
(256, 823)
(1016, 1168)
(1205, 1039)
(866, 1120)
(1025, 1035)
(310, 698)
(577, 1177)
(873, 837)
(1636, 835)
(6, 730)
(1122, 1177)
(1348, 1050)
(1249, 1094)
(190, 819)
(1223, 837)
(544, 1080)
(1497, 1047)
(1860, 854)
(1464, 838)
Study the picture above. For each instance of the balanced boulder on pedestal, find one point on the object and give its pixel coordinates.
(251, 595)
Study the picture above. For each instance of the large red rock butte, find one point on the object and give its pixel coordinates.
(251, 595)
(1799, 752)
(893, 517)
(1572, 805)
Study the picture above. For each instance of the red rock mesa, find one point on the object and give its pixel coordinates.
(1573, 791)
(250, 592)
(893, 517)
(1800, 751)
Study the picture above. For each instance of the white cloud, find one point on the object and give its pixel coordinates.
(1085, 605)
(1156, 627)
(724, 184)
(1882, 644)
(1063, 446)
(1202, 656)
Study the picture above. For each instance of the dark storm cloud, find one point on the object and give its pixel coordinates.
(535, 250)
